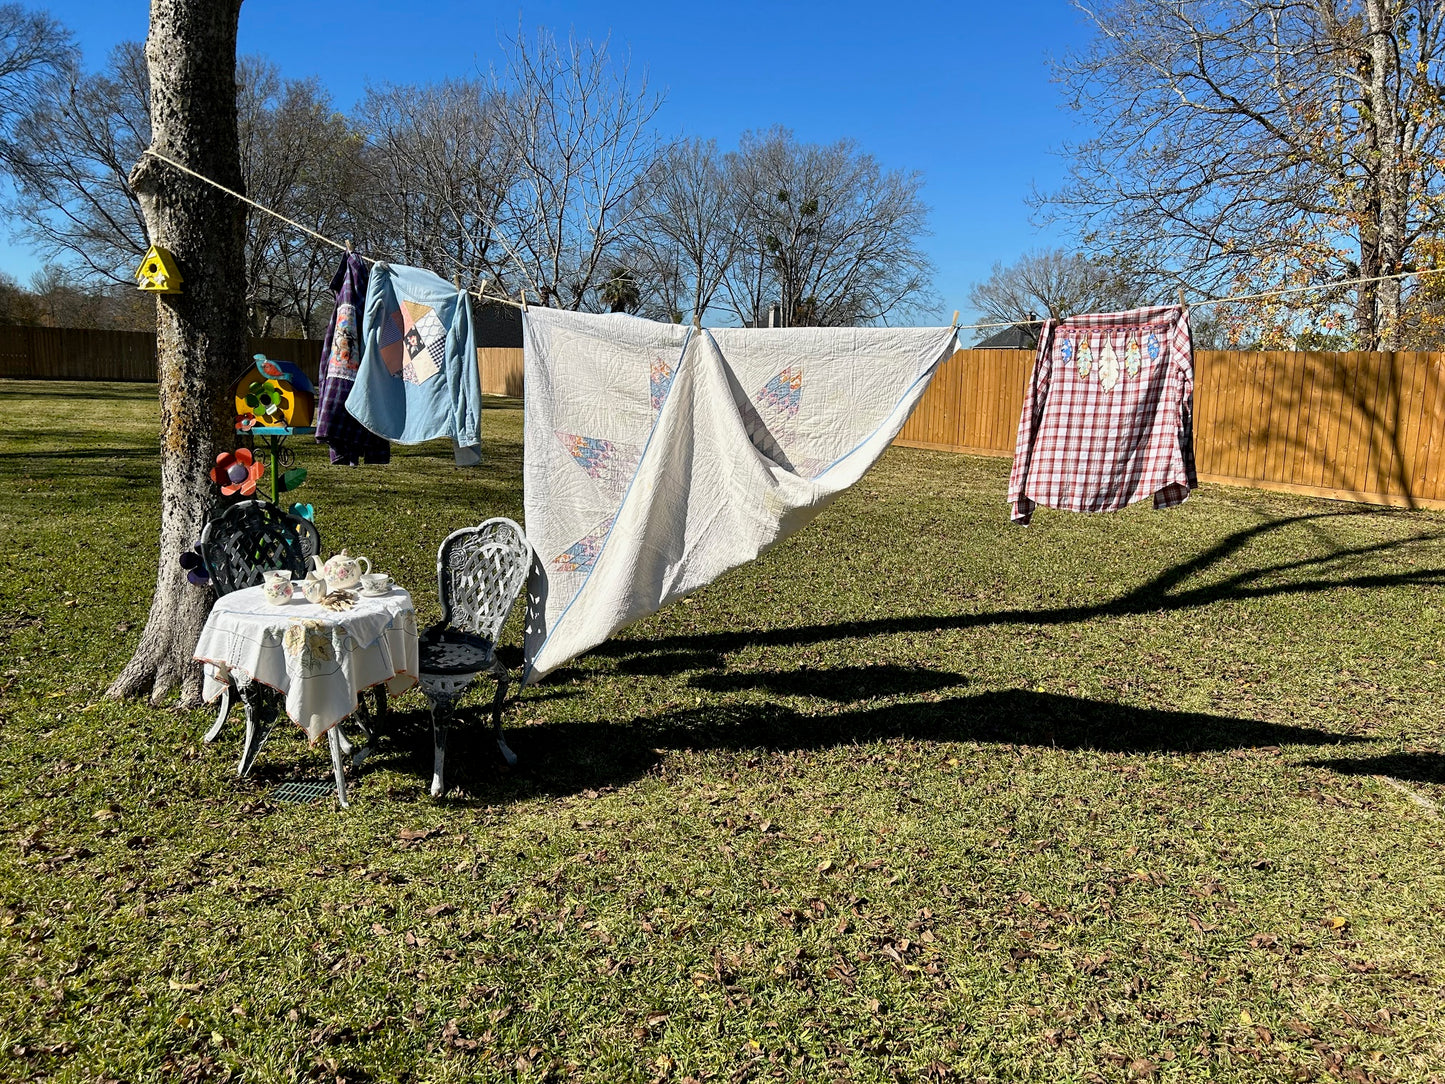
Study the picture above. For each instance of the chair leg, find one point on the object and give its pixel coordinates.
(362, 719)
(221, 713)
(501, 695)
(440, 710)
(260, 714)
(380, 691)
(335, 740)
(359, 755)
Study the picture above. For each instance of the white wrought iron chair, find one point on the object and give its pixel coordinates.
(480, 573)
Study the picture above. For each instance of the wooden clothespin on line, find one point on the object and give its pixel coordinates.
(955, 319)
(697, 321)
(1182, 305)
(349, 250)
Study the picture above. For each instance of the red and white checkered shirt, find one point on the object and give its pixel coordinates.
(1108, 418)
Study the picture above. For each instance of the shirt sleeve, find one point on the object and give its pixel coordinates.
(1029, 420)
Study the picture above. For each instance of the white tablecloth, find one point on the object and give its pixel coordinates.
(318, 659)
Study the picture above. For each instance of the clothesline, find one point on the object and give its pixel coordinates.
(342, 245)
(502, 299)
(1249, 297)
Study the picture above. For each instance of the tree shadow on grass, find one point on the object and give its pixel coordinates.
(558, 759)
(840, 683)
(1416, 767)
(670, 662)
(1161, 593)
(78, 454)
(34, 388)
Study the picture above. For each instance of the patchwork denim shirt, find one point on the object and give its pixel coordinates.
(418, 378)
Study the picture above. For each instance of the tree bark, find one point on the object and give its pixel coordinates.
(1385, 117)
(201, 332)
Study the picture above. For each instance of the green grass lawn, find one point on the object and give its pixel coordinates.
(918, 796)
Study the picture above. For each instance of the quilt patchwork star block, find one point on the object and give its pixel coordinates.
(783, 393)
(582, 554)
(659, 381)
(606, 462)
(423, 342)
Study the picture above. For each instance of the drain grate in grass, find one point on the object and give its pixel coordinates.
(303, 791)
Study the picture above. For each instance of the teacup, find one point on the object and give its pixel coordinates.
(376, 583)
(277, 588)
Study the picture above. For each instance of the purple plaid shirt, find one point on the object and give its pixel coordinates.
(1108, 417)
(340, 355)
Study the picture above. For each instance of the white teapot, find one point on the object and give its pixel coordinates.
(314, 587)
(341, 572)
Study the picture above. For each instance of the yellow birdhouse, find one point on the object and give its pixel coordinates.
(157, 272)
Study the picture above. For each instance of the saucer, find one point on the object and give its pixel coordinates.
(375, 594)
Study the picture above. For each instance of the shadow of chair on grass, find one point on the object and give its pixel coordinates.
(562, 758)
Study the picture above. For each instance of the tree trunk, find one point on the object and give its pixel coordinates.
(1385, 120)
(201, 332)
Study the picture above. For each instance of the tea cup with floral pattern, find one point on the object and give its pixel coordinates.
(376, 583)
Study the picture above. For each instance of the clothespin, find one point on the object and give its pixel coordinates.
(348, 246)
(523, 292)
(697, 321)
(1182, 305)
(955, 319)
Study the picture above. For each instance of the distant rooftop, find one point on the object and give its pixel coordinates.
(1018, 337)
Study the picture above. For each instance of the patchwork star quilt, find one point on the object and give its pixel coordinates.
(658, 456)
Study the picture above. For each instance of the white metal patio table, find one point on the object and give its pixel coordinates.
(315, 660)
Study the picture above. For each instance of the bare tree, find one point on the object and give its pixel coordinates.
(57, 299)
(685, 232)
(200, 333)
(579, 130)
(1241, 145)
(69, 159)
(73, 151)
(825, 231)
(1053, 283)
(301, 157)
(439, 170)
(35, 51)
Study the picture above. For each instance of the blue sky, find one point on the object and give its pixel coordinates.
(961, 92)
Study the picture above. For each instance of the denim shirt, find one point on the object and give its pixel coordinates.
(418, 379)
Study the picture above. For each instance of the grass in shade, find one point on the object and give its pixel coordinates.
(917, 796)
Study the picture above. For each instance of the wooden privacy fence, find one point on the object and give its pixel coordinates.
(70, 353)
(64, 353)
(1357, 426)
(1363, 427)
(501, 370)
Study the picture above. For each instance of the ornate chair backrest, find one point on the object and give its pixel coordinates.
(252, 537)
(480, 572)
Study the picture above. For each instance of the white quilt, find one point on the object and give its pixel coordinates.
(658, 457)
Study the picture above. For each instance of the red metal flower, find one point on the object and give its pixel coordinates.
(237, 472)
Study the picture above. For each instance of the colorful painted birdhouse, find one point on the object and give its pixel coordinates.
(158, 273)
(274, 394)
